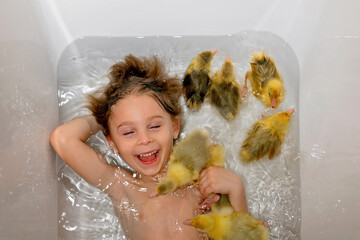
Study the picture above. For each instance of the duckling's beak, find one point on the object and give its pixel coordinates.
(273, 103)
(291, 111)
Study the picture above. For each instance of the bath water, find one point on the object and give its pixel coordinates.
(272, 186)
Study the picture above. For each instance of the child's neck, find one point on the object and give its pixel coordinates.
(154, 179)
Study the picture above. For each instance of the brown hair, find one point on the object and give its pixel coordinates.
(136, 76)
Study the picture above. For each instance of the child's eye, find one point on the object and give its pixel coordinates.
(128, 133)
(154, 126)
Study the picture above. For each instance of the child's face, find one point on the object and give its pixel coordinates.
(142, 132)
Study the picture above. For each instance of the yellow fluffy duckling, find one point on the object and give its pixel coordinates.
(265, 80)
(222, 223)
(197, 79)
(266, 137)
(224, 91)
(188, 158)
(217, 156)
(236, 226)
(219, 204)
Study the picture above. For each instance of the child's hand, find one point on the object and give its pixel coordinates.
(222, 181)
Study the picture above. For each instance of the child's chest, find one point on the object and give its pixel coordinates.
(180, 204)
(160, 217)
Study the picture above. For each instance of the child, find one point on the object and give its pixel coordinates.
(138, 113)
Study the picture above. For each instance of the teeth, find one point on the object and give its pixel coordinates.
(147, 154)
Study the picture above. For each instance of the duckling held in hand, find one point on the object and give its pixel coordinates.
(224, 91)
(238, 225)
(219, 203)
(266, 82)
(266, 137)
(217, 156)
(188, 158)
(197, 79)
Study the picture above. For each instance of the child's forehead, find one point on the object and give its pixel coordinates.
(137, 106)
(143, 100)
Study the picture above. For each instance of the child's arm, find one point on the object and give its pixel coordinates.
(223, 181)
(69, 139)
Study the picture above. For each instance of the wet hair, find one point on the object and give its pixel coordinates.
(136, 76)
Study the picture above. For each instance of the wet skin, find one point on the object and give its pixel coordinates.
(143, 133)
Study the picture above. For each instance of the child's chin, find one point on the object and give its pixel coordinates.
(150, 170)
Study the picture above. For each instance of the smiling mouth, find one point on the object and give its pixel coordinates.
(148, 158)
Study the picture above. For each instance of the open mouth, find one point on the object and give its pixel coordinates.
(149, 157)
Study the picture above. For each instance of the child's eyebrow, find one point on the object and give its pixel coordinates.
(157, 116)
(124, 124)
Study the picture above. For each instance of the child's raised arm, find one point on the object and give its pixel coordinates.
(222, 181)
(69, 139)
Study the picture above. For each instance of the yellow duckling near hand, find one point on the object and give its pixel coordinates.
(219, 203)
(188, 158)
(238, 225)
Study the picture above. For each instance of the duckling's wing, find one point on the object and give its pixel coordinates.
(263, 69)
(226, 97)
(196, 84)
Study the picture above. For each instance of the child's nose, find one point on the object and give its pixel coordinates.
(144, 138)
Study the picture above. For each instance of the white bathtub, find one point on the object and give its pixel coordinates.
(325, 36)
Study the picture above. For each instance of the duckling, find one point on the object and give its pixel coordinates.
(266, 137)
(238, 225)
(224, 91)
(197, 79)
(219, 203)
(217, 156)
(188, 158)
(266, 82)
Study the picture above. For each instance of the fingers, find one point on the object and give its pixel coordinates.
(205, 207)
(222, 181)
(187, 222)
(209, 201)
(208, 188)
(218, 180)
(210, 181)
(203, 173)
(206, 204)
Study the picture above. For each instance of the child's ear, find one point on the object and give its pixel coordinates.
(111, 143)
(108, 139)
(176, 127)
